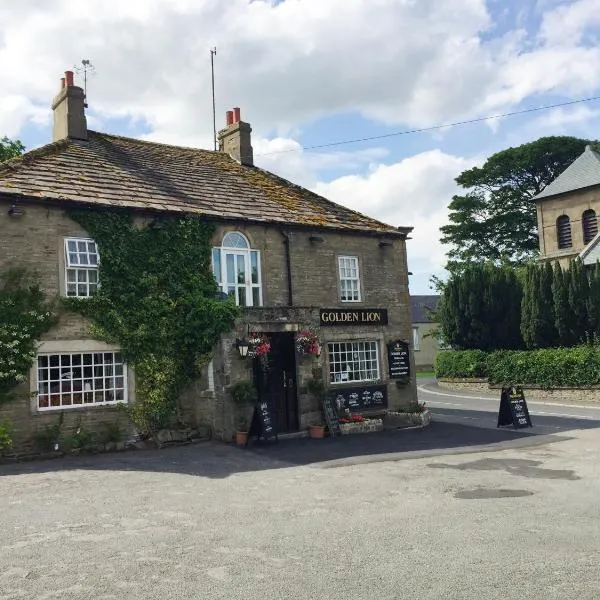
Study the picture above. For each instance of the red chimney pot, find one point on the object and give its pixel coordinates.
(229, 118)
(236, 114)
(69, 78)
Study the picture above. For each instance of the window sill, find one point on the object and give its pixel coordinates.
(95, 405)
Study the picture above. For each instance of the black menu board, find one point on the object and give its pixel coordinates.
(331, 416)
(513, 408)
(398, 359)
(263, 424)
(359, 399)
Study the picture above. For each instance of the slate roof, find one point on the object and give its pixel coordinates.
(421, 306)
(583, 172)
(113, 171)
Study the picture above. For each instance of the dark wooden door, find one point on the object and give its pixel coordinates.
(277, 383)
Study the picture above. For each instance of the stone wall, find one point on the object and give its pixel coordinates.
(36, 240)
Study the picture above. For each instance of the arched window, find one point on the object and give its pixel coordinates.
(236, 268)
(590, 225)
(563, 232)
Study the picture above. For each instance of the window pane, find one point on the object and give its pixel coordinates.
(255, 296)
(230, 266)
(242, 291)
(254, 265)
(241, 269)
(216, 256)
(235, 240)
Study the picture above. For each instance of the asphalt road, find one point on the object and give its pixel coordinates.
(448, 406)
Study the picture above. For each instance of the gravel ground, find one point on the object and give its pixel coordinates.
(211, 521)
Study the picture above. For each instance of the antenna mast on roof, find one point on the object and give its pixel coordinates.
(86, 67)
(213, 53)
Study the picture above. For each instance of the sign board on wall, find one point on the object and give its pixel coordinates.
(398, 359)
(359, 399)
(336, 317)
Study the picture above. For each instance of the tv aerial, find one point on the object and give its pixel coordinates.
(87, 68)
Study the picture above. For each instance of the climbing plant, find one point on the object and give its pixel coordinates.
(25, 314)
(159, 302)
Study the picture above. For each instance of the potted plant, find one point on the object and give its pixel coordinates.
(316, 431)
(244, 394)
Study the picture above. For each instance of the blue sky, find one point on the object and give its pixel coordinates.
(308, 72)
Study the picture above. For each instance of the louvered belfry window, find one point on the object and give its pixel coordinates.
(563, 232)
(590, 225)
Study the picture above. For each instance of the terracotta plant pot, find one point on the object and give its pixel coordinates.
(241, 437)
(316, 431)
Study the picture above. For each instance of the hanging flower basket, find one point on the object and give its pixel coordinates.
(307, 343)
(258, 345)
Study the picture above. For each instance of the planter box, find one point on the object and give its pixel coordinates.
(394, 420)
(369, 426)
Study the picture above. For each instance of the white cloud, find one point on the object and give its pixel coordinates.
(413, 63)
(413, 192)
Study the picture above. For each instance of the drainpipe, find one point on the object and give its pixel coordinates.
(288, 264)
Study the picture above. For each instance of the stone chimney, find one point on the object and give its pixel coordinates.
(69, 111)
(235, 138)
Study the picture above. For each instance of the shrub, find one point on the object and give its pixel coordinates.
(545, 368)
(461, 363)
(5, 436)
(549, 367)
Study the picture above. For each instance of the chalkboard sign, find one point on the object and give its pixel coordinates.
(331, 416)
(398, 360)
(359, 399)
(513, 408)
(263, 424)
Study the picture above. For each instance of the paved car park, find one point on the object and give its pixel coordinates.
(516, 517)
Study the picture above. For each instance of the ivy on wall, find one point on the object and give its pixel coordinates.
(159, 302)
(25, 314)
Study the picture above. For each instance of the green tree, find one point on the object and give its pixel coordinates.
(480, 308)
(495, 219)
(537, 312)
(578, 294)
(10, 148)
(593, 304)
(560, 302)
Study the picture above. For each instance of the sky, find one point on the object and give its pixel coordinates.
(308, 73)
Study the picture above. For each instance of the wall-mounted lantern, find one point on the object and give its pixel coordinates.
(385, 243)
(316, 239)
(242, 346)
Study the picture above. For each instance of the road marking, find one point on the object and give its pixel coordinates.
(435, 393)
(437, 402)
(549, 414)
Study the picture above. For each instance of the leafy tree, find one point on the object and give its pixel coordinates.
(480, 308)
(593, 304)
(560, 303)
(495, 219)
(537, 310)
(10, 148)
(578, 294)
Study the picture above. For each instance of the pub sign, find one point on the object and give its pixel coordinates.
(336, 317)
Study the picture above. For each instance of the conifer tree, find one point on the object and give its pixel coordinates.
(560, 300)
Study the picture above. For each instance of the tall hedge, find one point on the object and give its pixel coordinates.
(480, 308)
(545, 368)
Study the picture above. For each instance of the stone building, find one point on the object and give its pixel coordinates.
(293, 259)
(426, 344)
(567, 212)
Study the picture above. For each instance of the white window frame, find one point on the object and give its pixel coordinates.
(354, 282)
(81, 271)
(358, 363)
(416, 340)
(62, 388)
(246, 288)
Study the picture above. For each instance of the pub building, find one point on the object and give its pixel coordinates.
(323, 288)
